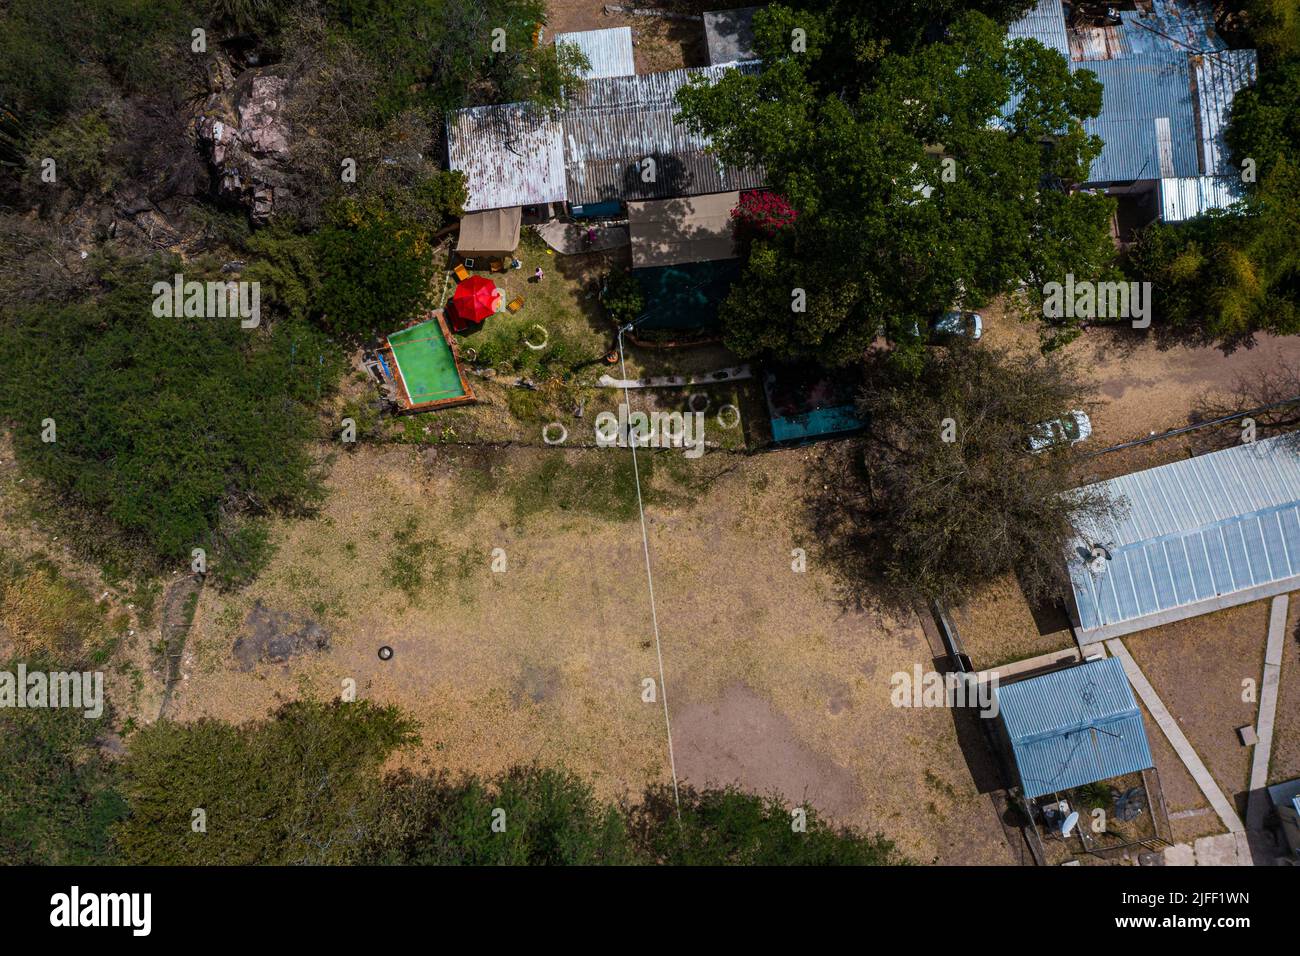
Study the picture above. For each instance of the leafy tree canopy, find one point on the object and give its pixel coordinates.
(168, 426)
(912, 191)
(954, 498)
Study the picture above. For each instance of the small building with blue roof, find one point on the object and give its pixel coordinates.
(1072, 727)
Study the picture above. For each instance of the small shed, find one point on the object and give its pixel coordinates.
(730, 35)
(1073, 727)
(493, 232)
(608, 52)
(669, 232)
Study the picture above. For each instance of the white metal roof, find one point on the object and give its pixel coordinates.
(1219, 77)
(608, 51)
(1186, 197)
(1198, 534)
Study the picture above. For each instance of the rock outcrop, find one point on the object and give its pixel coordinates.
(243, 134)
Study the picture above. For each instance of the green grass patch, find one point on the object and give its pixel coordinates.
(600, 482)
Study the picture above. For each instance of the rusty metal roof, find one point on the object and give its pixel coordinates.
(614, 124)
(511, 155)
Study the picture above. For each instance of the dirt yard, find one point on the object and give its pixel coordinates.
(1198, 667)
(997, 626)
(772, 682)
(658, 43)
(1144, 385)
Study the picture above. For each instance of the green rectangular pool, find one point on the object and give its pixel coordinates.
(426, 366)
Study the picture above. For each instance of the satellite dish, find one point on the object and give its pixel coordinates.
(1098, 555)
(1070, 822)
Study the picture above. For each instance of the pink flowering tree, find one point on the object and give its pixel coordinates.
(762, 214)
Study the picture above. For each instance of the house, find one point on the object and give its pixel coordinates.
(1072, 727)
(1195, 536)
(614, 140)
(1286, 801)
(1168, 82)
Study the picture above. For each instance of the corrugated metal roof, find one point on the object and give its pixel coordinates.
(1185, 26)
(1135, 93)
(1189, 196)
(1073, 727)
(1045, 22)
(1195, 531)
(613, 124)
(609, 52)
(511, 155)
(1219, 76)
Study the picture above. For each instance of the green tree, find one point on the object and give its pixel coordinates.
(162, 423)
(376, 271)
(953, 499)
(913, 191)
(1226, 275)
(727, 827)
(299, 788)
(1265, 123)
(527, 815)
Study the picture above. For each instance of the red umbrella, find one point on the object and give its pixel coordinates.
(474, 300)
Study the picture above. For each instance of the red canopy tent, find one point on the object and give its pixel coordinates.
(473, 301)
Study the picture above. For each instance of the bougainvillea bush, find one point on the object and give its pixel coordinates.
(762, 214)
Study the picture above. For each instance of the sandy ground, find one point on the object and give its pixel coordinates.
(998, 627)
(771, 682)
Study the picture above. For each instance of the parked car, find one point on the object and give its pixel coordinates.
(954, 324)
(951, 325)
(1067, 430)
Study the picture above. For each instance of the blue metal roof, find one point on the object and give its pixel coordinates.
(1195, 530)
(1141, 96)
(1073, 727)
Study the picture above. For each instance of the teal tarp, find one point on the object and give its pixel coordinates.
(685, 296)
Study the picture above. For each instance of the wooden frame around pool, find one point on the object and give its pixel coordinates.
(405, 397)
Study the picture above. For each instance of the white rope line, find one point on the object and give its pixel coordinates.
(654, 616)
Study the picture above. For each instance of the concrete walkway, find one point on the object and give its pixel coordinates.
(1222, 806)
(1257, 805)
(569, 238)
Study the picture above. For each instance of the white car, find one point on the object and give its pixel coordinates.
(1067, 430)
(955, 324)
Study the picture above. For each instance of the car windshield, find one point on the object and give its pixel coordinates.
(1069, 426)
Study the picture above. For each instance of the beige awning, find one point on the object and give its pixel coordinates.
(493, 230)
(669, 232)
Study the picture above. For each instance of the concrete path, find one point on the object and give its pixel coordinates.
(1257, 805)
(1177, 739)
(569, 238)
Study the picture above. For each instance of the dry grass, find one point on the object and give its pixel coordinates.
(773, 684)
(997, 627)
